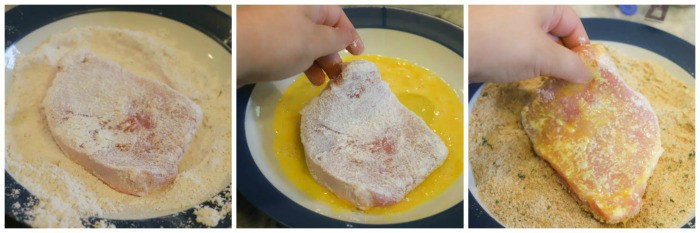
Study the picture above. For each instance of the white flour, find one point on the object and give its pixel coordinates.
(67, 194)
(207, 216)
(103, 224)
(210, 216)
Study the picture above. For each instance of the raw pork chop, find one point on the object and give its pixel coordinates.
(128, 131)
(602, 137)
(364, 145)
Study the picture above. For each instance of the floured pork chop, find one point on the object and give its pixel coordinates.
(602, 137)
(364, 145)
(129, 131)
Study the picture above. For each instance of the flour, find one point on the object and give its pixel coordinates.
(15, 193)
(67, 195)
(103, 224)
(210, 216)
(207, 216)
(582, 40)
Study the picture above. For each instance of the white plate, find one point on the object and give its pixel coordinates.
(212, 55)
(627, 49)
(203, 49)
(260, 113)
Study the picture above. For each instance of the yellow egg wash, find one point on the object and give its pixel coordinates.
(419, 89)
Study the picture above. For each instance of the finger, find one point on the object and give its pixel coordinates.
(566, 25)
(357, 46)
(330, 64)
(559, 42)
(334, 17)
(560, 62)
(338, 19)
(328, 40)
(555, 39)
(315, 74)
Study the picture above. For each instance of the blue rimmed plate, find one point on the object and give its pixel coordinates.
(28, 26)
(638, 40)
(425, 40)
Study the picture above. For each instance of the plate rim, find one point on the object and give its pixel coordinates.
(17, 28)
(203, 18)
(253, 185)
(615, 30)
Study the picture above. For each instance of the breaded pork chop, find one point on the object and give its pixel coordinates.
(602, 137)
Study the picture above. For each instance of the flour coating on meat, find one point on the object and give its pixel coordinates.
(363, 144)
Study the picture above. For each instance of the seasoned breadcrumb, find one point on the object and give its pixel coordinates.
(522, 190)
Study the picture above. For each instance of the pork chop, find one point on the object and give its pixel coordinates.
(363, 144)
(602, 137)
(127, 130)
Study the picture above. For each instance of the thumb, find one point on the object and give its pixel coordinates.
(562, 63)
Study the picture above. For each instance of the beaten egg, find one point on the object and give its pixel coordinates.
(417, 88)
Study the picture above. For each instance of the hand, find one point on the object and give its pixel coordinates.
(276, 42)
(512, 43)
